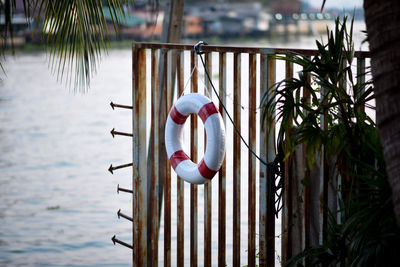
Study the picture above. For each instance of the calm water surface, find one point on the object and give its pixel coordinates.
(58, 203)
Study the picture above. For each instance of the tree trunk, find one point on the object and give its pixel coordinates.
(383, 28)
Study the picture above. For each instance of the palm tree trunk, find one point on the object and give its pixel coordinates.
(383, 28)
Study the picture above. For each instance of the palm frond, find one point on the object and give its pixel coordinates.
(75, 32)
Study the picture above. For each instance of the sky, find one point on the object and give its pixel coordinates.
(336, 3)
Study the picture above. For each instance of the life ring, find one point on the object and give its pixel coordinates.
(215, 134)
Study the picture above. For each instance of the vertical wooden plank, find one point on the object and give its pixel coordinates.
(135, 151)
(270, 231)
(207, 186)
(180, 187)
(236, 159)
(296, 228)
(288, 195)
(139, 159)
(167, 181)
(193, 153)
(222, 171)
(267, 153)
(154, 185)
(263, 168)
(252, 163)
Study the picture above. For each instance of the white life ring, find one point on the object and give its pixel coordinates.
(215, 133)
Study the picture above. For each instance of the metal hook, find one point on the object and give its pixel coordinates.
(197, 48)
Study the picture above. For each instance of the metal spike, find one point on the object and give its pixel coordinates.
(114, 132)
(120, 106)
(112, 169)
(115, 240)
(120, 214)
(123, 190)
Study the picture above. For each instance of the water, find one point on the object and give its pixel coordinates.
(58, 202)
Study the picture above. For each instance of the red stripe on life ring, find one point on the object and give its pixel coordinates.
(177, 117)
(177, 158)
(205, 171)
(207, 110)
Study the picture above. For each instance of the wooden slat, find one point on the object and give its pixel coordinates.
(135, 155)
(270, 232)
(252, 162)
(267, 153)
(155, 148)
(263, 168)
(180, 187)
(236, 159)
(207, 186)
(288, 195)
(193, 153)
(222, 171)
(167, 181)
(139, 211)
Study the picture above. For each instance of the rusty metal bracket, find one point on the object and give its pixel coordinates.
(115, 240)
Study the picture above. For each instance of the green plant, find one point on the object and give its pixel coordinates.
(74, 32)
(328, 113)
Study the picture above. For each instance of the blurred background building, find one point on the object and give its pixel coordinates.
(202, 19)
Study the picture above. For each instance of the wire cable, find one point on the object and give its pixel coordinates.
(197, 50)
(275, 168)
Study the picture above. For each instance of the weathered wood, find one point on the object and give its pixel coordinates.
(193, 154)
(296, 227)
(288, 192)
(139, 211)
(222, 171)
(252, 161)
(180, 188)
(236, 159)
(270, 226)
(167, 169)
(207, 186)
(154, 216)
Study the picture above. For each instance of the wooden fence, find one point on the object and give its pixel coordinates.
(154, 90)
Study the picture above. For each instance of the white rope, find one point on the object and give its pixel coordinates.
(208, 93)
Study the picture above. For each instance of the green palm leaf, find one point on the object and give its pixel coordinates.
(76, 35)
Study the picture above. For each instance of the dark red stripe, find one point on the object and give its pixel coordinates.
(177, 117)
(207, 110)
(205, 171)
(177, 157)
